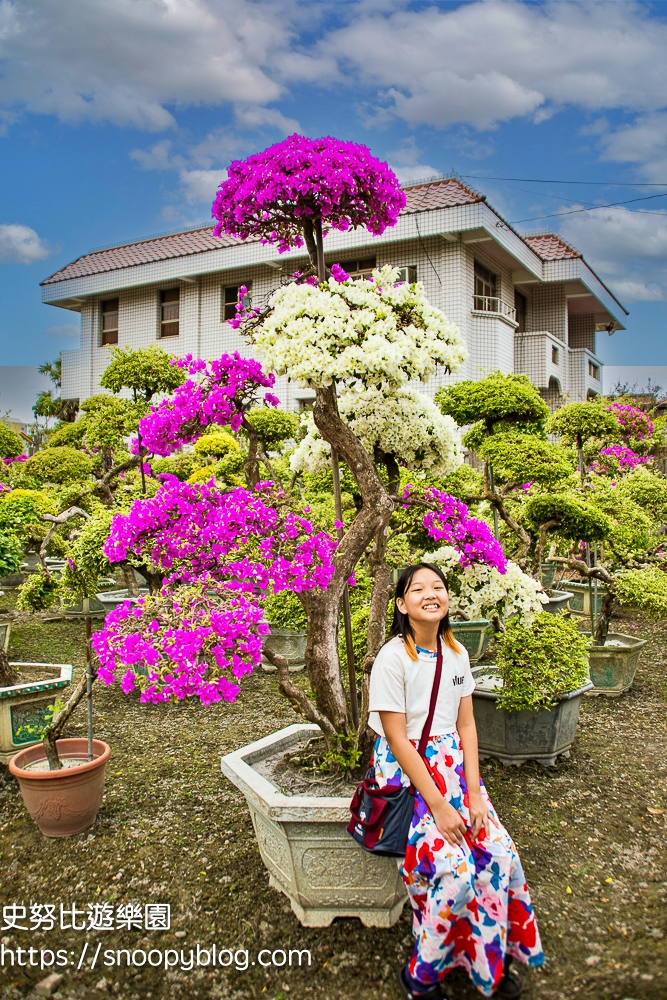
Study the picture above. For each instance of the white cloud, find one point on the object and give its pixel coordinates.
(200, 185)
(156, 158)
(644, 142)
(486, 62)
(413, 172)
(628, 249)
(21, 245)
(255, 116)
(66, 331)
(128, 63)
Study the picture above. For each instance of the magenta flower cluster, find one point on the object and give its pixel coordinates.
(272, 192)
(224, 390)
(170, 652)
(633, 422)
(622, 459)
(450, 523)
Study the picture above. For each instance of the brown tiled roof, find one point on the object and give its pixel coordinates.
(421, 197)
(548, 246)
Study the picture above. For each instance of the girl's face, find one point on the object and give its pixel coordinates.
(426, 600)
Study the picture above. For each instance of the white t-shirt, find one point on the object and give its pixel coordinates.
(399, 684)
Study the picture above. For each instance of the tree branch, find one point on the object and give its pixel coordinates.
(298, 698)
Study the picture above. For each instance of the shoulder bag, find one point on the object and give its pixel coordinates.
(381, 817)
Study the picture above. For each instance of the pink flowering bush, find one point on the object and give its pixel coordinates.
(224, 389)
(271, 194)
(449, 523)
(634, 424)
(617, 459)
(189, 642)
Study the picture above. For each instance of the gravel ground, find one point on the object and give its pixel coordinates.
(591, 832)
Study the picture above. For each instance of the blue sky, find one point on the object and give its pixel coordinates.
(118, 118)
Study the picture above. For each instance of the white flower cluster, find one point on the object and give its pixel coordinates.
(357, 332)
(483, 591)
(401, 422)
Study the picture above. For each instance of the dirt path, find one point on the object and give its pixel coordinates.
(173, 830)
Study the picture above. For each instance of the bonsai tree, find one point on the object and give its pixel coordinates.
(11, 443)
(578, 423)
(540, 663)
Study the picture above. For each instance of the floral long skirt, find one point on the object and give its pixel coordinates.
(471, 903)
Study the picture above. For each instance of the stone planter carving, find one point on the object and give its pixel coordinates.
(515, 737)
(614, 665)
(474, 636)
(580, 602)
(306, 848)
(558, 601)
(26, 705)
(286, 643)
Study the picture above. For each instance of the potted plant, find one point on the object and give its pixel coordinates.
(289, 630)
(527, 706)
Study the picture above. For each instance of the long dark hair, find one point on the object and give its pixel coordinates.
(401, 624)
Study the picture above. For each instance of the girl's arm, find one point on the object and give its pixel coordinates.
(448, 821)
(467, 730)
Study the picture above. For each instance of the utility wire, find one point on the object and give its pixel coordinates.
(540, 180)
(576, 211)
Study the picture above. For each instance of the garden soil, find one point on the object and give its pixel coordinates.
(591, 832)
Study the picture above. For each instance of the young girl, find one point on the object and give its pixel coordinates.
(462, 871)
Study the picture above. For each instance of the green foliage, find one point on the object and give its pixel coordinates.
(631, 534)
(11, 555)
(87, 563)
(285, 610)
(540, 663)
(273, 426)
(648, 491)
(575, 518)
(144, 370)
(107, 420)
(229, 469)
(58, 465)
(202, 474)
(182, 466)
(216, 444)
(67, 434)
(38, 593)
(520, 458)
(11, 443)
(578, 422)
(643, 588)
(498, 397)
(345, 758)
(21, 513)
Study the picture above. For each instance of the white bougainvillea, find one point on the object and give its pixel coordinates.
(357, 332)
(401, 422)
(481, 591)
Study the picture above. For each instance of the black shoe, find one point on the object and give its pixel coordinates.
(433, 993)
(511, 985)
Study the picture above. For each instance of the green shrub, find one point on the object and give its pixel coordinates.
(540, 663)
(21, 511)
(285, 610)
(230, 469)
(648, 491)
(182, 466)
(521, 458)
(216, 444)
(643, 588)
(59, 465)
(145, 370)
(578, 422)
(38, 593)
(273, 426)
(87, 563)
(498, 397)
(11, 443)
(11, 555)
(67, 434)
(575, 519)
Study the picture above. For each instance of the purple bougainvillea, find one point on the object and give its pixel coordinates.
(633, 422)
(450, 523)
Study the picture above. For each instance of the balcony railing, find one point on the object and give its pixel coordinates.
(493, 304)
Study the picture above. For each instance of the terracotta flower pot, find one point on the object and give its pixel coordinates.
(63, 802)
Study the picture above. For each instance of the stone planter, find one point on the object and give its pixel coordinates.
(549, 573)
(284, 642)
(88, 606)
(614, 665)
(66, 801)
(474, 636)
(580, 602)
(306, 848)
(111, 599)
(515, 737)
(26, 705)
(558, 601)
(5, 630)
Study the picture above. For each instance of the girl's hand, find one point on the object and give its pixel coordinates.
(449, 822)
(480, 815)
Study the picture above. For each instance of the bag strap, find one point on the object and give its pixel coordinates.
(426, 731)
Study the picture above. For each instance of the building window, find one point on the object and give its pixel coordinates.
(169, 312)
(230, 298)
(520, 306)
(360, 267)
(594, 371)
(486, 289)
(109, 321)
(554, 355)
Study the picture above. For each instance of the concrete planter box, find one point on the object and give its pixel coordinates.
(26, 704)
(549, 573)
(558, 601)
(306, 848)
(614, 665)
(110, 599)
(474, 636)
(284, 642)
(515, 737)
(580, 602)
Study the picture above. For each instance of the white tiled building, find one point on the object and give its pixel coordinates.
(523, 304)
